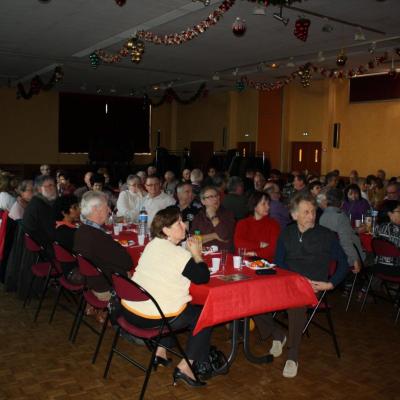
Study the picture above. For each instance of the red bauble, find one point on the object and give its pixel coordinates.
(239, 27)
(301, 28)
(120, 2)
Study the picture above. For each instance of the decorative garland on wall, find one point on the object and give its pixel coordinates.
(305, 71)
(170, 95)
(37, 84)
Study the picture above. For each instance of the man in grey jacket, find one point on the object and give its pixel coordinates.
(337, 221)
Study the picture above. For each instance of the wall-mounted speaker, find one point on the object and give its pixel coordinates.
(336, 135)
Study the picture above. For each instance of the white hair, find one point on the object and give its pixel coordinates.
(90, 200)
(196, 176)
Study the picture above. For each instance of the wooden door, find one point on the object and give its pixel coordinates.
(307, 156)
(201, 152)
(247, 149)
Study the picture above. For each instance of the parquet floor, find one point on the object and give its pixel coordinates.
(37, 362)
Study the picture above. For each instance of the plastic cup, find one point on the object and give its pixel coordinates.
(237, 262)
(357, 223)
(116, 229)
(215, 264)
(141, 240)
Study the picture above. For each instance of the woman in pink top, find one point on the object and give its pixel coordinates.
(258, 233)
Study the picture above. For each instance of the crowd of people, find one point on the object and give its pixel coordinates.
(300, 222)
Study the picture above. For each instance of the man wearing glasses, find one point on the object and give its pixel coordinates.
(215, 223)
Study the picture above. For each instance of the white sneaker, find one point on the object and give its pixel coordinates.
(277, 347)
(290, 370)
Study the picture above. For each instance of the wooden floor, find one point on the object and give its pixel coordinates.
(37, 362)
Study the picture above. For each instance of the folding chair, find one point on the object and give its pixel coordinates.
(324, 307)
(129, 290)
(383, 248)
(40, 269)
(64, 256)
(87, 269)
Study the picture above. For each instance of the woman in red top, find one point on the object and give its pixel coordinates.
(258, 233)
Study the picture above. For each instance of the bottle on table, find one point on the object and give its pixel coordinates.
(143, 218)
(197, 236)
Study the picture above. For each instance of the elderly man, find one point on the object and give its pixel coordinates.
(235, 200)
(196, 177)
(170, 183)
(38, 220)
(215, 223)
(305, 248)
(97, 246)
(188, 206)
(277, 210)
(129, 200)
(86, 187)
(392, 191)
(337, 221)
(155, 200)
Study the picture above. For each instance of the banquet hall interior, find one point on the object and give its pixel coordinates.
(288, 85)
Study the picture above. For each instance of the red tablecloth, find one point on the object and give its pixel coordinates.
(135, 251)
(366, 241)
(225, 301)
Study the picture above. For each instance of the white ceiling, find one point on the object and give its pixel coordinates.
(36, 36)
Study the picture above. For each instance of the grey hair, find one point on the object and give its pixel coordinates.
(40, 180)
(23, 185)
(181, 185)
(300, 197)
(321, 198)
(233, 183)
(133, 178)
(206, 189)
(90, 200)
(196, 175)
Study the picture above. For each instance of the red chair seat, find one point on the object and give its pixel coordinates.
(136, 331)
(42, 269)
(93, 300)
(389, 278)
(70, 286)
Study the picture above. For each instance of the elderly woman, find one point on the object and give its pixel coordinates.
(215, 223)
(354, 205)
(166, 270)
(6, 199)
(25, 193)
(258, 233)
(129, 200)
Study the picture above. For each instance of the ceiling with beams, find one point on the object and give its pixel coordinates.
(37, 35)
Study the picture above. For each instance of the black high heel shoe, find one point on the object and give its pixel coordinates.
(179, 375)
(164, 362)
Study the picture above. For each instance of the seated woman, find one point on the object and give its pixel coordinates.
(354, 205)
(67, 213)
(215, 223)
(130, 200)
(25, 193)
(389, 231)
(166, 270)
(258, 233)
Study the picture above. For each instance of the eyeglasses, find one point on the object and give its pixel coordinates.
(211, 196)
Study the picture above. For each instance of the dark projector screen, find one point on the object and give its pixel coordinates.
(108, 128)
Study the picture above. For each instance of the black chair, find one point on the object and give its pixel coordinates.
(129, 290)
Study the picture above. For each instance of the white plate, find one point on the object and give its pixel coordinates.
(266, 263)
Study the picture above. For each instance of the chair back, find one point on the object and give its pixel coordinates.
(86, 268)
(62, 255)
(31, 244)
(384, 248)
(127, 289)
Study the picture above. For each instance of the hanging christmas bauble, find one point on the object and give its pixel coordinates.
(94, 60)
(305, 75)
(120, 2)
(239, 27)
(301, 28)
(341, 59)
(239, 85)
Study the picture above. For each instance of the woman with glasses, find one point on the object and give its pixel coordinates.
(215, 223)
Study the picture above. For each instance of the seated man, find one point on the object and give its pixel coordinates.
(305, 248)
(156, 199)
(38, 220)
(93, 243)
(86, 187)
(235, 200)
(186, 203)
(337, 221)
(215, 223)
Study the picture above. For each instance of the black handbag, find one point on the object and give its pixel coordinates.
(217, 364)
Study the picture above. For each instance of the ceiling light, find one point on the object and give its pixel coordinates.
(259, 10)
(235, 72)
(327, 27)
(216, 77)
(113, 90)
(280, 18)
(372, 47)
(321, 57)
(291, 63)
(274, 65)
(359, 35)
